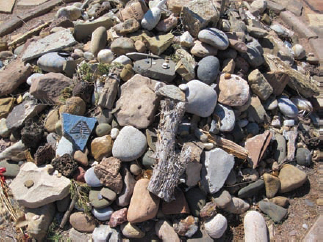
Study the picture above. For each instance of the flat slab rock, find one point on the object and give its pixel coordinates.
(45, 189)
(138, 102)
(50, 43)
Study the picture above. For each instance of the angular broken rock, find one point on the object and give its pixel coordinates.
(20, 113)
(50, 43)
(15, 152)
(138, 102)
(257, 146)
(217, 166)
(13, 75)
(291, 136)
(108, 173)
(46, 189)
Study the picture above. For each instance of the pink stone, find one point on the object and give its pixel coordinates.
(118, 217)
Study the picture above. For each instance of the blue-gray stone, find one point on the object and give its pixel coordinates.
(303, 156)
(208, 69)
(91, 179)
(102, 214)
(78, 129)
(274, 211)
(252, 128)
(287, 107)
(251, 190)
(51, 62)
(214, 37)
(227, 117)
(254, 54)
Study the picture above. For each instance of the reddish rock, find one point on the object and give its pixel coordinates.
(108, 173)
(13, 75)
(178, 206)
(79, 174)
(209, 210)
(118, 217)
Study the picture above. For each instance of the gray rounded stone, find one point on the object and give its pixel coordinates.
(122, 46)
(12, 168)
(147, 160)
(227, 117)
(201, 98)
(130, 144)
(98, 40)
(299, 52)
(214, 37)
(252, 128)
(287, 107)
(91, 179)
(97, 200)
(51, 62)
(208, 69)
(102, 214)
(103, 129)
(303, 156)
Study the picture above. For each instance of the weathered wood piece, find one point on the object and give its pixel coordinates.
(291, 136)
(228, 146)
(170, 165)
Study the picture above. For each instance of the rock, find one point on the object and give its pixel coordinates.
(51, 119)
(251, 190)
(65, 165)
(272, 185)
(302, 104)
(51, 62)
(48, 88)
(152, 16)
(52, 140)
(140, 46)
(102, 214)
(167, 24)
(228, 66)
(46, 189)
(216, 226)
(70, 12)
(50, 43)
(122, 46)
(105, 56)
(131, 231)
(130, 144)
(259, 5)
(159, 43)
(102, 233)
(99, 202)
(73, 105)
(233, 90)
(15, 152)
(171, 91)
(134, 10)
(259, 85)
(252, 128)
(6, 105)
(4, 131)
(79, 175)
(237, 206)
(177, 206)
(208, 69)
(76, 236)
(123, 59)
(108, 173)
(280, 201)
(257, 146)
(108, 194)
(118, 217)
(163, 70)
(135, 168)
(254, 54)
(256, 111)
(196, 200)
(32, 134)
(186, 40)
(91, 179)
(226, 117)
(127, 190)
(201, 98)
(200, 49)
(128, 26)
(207, 16)
(39, 220)
(299, 52)
(303, 157)
(64, 146)
(274, 211)
(287, 107)
(222, 199)
(138, 102)
(214, 176)
(85, 29)
(185, 66)
(98, 40)
(81, 157)
(255, 228)
(271, 103)
(165, 231)
(280, 151)
(143, 205)
(12, 168)
(290, 182)
(256, 32)
(186, 227)
(101, 147)
(192, 172)
(82, 222)
(103, 129)
(214, 37)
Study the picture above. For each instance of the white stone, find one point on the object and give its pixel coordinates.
(114, 133)
(237, 206)
(216, 226)
(101, 233)
(122, 59)
(105, 56)
(33, 77)
(102, 214)
(259, 5)
(64, 147)
(14, 152)
(186, 40)
(255, 228)
(299, 52)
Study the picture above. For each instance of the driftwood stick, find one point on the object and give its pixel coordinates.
(27, 35)
(170, 165)
(228, 146)
(69, 210)
(291, 136)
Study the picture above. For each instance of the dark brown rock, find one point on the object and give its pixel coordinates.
(44, 155)
(31, 134)
(83, 90)
(13, 76)
(65, 165)
(177, 206)
(108, 173)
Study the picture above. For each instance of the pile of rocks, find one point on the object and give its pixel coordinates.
(80, 105)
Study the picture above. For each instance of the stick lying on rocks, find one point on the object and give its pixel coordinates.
(170, 165)
(228, 146)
